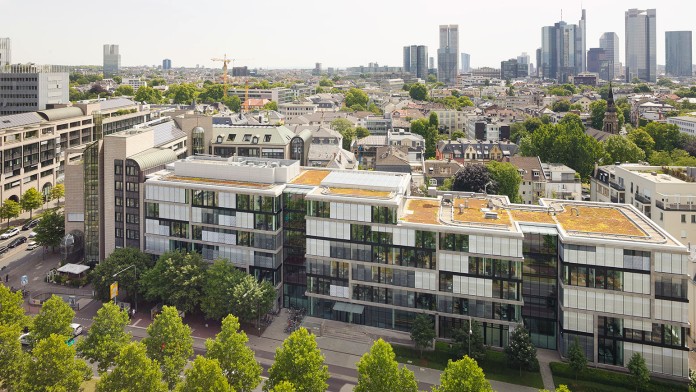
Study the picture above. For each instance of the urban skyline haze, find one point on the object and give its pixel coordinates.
(297, 34)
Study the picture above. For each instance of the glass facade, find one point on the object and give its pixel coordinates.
(540, 288)
(92, 206)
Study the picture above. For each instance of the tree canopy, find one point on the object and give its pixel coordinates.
(133, 372)
(234, 357)
(473, 178)
(576, 358)
(169, 342)
(204, 375)
(121, 258)
(220, 280)
(463, 375)
(51, 229)
(106, 337)
(148, 95)
(54, 318)
(346, 129)
(58, 192)
(506, 178)
(640, 375)
(176, 279)
(10, 209)
(418, 92)
(356, 99)
(31, 200)
(54, 367)
(13, 359)
(423, 331)
(425, 128)
(378, 371)
(520, 351)
(11, 307)
(622, 149)
(470, 344)
(300, 362)
(560, 106)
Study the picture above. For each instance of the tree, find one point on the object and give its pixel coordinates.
(58, 192)
(11, 307)
(169, 342)
(102, 276)
(54, 367)
(560, 106)
(54, 318)
(507, 179)
(300, 362)
(176, 279)
(235, 358)
(183, 93)
(641, 138)
(472, 178)
(13, 360)
(356, 99)
(326, 82)
(31, 200)
(106, 337)
(621, 149)
(597, 110)
(346, 129)
(457, 135)
(250, 299)
(204, 375)
(118, 79)
(576, 358)
(418, 92)
(666, 136)
(475, 349)
(220, 280)
(560, 388)
(124, 90)
(133, 372)
(422, 332)
(463, 375)
(273, 105)
(640, 375)
(233, 102)
(520, 351)
(51, 229)
(378, 371)
(423, 127)
(361, 132)
(148, 95)
(283, 386)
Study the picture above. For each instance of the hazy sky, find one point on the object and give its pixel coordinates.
(298, 33)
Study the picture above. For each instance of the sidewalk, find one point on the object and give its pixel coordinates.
(545, 357)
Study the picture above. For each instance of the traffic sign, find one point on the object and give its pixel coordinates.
(113, 290)
(24, 280)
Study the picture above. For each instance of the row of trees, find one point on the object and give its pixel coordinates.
(348, 131)
(419, 92)
(184, 280)
(29, 201)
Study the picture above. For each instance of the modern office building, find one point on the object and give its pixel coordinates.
(354, 246)
(166, 64)
(112, 60)
(599, 62)
(686, 124)
(415, 60)
(431, 63)
(610, 43)
(678, 49)
(448, 54)
(563, 50)
(466, 62)
(276, 94)
(5, 51)
(30, 88)
(641, 45)
(513, 69)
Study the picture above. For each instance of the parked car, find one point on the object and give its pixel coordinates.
(77, 329)
(3, 249)
(9, 233)
(24, 339)
(17, 242)
(32, 245)
(32, 234)
(31, 224)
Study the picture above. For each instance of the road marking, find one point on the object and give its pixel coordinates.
(136, 322)
(35, 278)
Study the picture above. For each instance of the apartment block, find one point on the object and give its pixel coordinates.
(292, 110)
(686, 124)
(29, 88)
(278, 94)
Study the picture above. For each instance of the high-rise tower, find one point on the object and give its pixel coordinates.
(678, 53)
(448, 54)
(641, 46)
(610, 43)
(112, 60)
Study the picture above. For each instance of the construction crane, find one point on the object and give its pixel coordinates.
(224, 61)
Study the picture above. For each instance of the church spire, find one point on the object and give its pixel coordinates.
(611, 118)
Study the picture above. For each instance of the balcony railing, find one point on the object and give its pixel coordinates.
(675, 206)
(642, 198)
(617, 186)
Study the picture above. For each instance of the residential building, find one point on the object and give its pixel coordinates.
(563, 50)
(641, 45)
(136, 83)
(416, 60)
(265, 141)
(488, 73)
(31, 88)
(5, 51)
(366, 149)
(465, 150)
(678, 49)
(447, 54)
(533, 184)
(466, 62)
(166, 64)
(292, 110)
(686, 124)
(663, 194)
(112, 60)
(610, 43)
(513, 69)
(562, 182)
(436, 172)
(276, 94)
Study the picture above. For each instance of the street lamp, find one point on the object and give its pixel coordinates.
(470, 333)
(135, 291)
(485, 187)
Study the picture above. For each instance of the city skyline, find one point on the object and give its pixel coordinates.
(332, 40)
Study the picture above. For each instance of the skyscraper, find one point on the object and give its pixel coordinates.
(5, 51)
(448, 54)
(112, 60)
(610, 43)
(416, 60)
(598, 62)
(563, 50)
(166, 64)
(641, 47)
(678, 53)
(466, 62)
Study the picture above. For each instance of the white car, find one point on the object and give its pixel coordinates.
(32, 245)
(32, 234)
(77, 329)
(9, 233)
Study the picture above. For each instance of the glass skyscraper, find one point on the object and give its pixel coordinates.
(448, 54)
(641, 45)
(678, 53)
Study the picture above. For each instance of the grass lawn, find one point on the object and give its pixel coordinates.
(599, 380)
(494, 365)
(90, 386)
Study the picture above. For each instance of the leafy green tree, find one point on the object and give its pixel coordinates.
(148, 94)
(51, 229)
(457, 135)
(102, 276)
(220, 280)
(273, 105)
(54, 318)
(133, 372)
(169, 342)
(31, 200)
(361, 132)
(204, 375)
(117, 79)
(283, 386)
(10, 209)
(576, 358)
(463, 375)
(642, 88)
(433, 120)
(475, 349)
(176, 280)
(11, 307)
(560, 106)
(346, 129)
(356, 98)
(75, 95)
(54, 367)
(666, 136)
(423, 127)
(520, 351)
(560, 388)
(300, 362)
(58, 192)
(378, 371)
(640, 375)
(106, 337)
(473, 178)
(641, 138)
(124, 90)
(507, 179)
(233, 102)
(235, 358)
(422, 332)
(184, 93)
(622, 149)
(13, 360)
(251, 298)
(418, 92)
(213, 93)
(597, 110)
(159, 82)
(326, 83)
